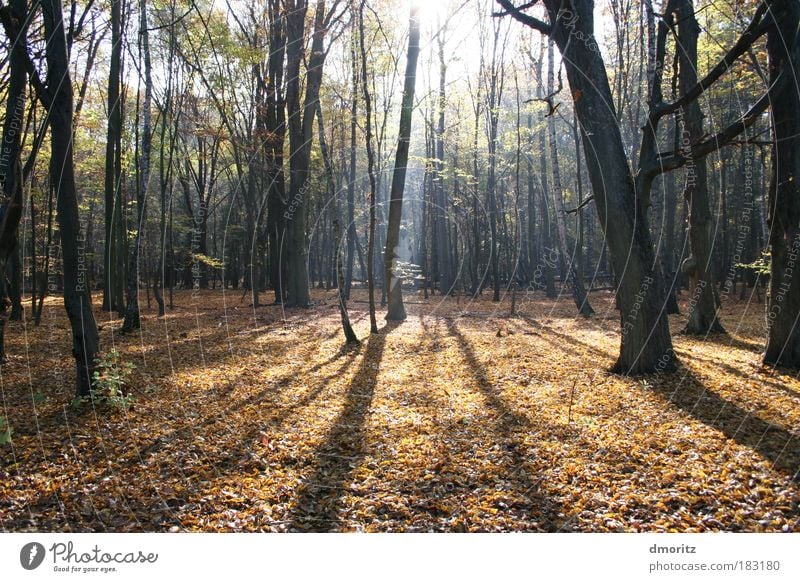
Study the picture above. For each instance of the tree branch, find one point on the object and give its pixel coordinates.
(14, 32)
(757, 28)
(672, 160)
(517, 13)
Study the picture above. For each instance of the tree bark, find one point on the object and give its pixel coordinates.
(703, 304)
(112, 280)
(77, 300)
(396, 310)
(11, 181)
(572, 279)
(646, 345)
(132, 317)
(371, 171)
(783, 305)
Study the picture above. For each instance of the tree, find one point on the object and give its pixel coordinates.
(572, 279)
(11, 150)
(301, 124)
(704, 305)
(373, 324)
(132, 321)
(646, 345)
(56, 97)
(783, 306)
(396, 310)
(114, 250)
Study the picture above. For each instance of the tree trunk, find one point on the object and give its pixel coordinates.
(371, 171)
(77, 300)
(300, 138)
(396, 310)
(783, 305)
(132, 317)
(112, 280)
(646, 345)
(703, 305)
(11, 180)
(578, 290)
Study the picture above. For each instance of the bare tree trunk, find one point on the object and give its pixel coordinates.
(703, 305)
(300, 138)
(578, 290)
(77, 300)
(371, 171)
(132, 317)
(347, 328)
(783, 305)
(646, 345)
(112, 280)
(397, 311)
(351, 182)
(10, 161)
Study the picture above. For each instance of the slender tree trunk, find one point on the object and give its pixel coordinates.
(112, 282)
(132, 317)
(397, 311)
(11, 179)
(578, 290)
(703, 305)
(300, 138)
(440, 196)
(370, 171)
(333, 200)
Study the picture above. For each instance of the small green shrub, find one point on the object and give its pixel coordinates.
(5, 431)
(110, 379)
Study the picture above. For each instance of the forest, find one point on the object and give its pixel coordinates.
(399, 265)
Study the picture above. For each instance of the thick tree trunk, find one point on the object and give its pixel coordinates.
(646, 345)
(77, 300)
(396, 310)
(783, 305)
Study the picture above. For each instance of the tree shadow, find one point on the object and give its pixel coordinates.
(563, 337)
(728, 341)
(745, 375)
(539, 507)
(319, 500)
(773, 442)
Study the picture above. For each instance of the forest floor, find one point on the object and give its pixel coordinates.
(459, 419)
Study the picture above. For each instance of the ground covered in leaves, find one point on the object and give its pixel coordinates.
(462, 418)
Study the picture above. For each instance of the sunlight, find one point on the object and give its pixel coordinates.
(430, 10)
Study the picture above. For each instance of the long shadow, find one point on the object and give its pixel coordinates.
(745, 376)
(728, 341)
(234, 452)
(547, 330)
(771, 441)
(540, 508)
(274, 389)
(342, 451)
